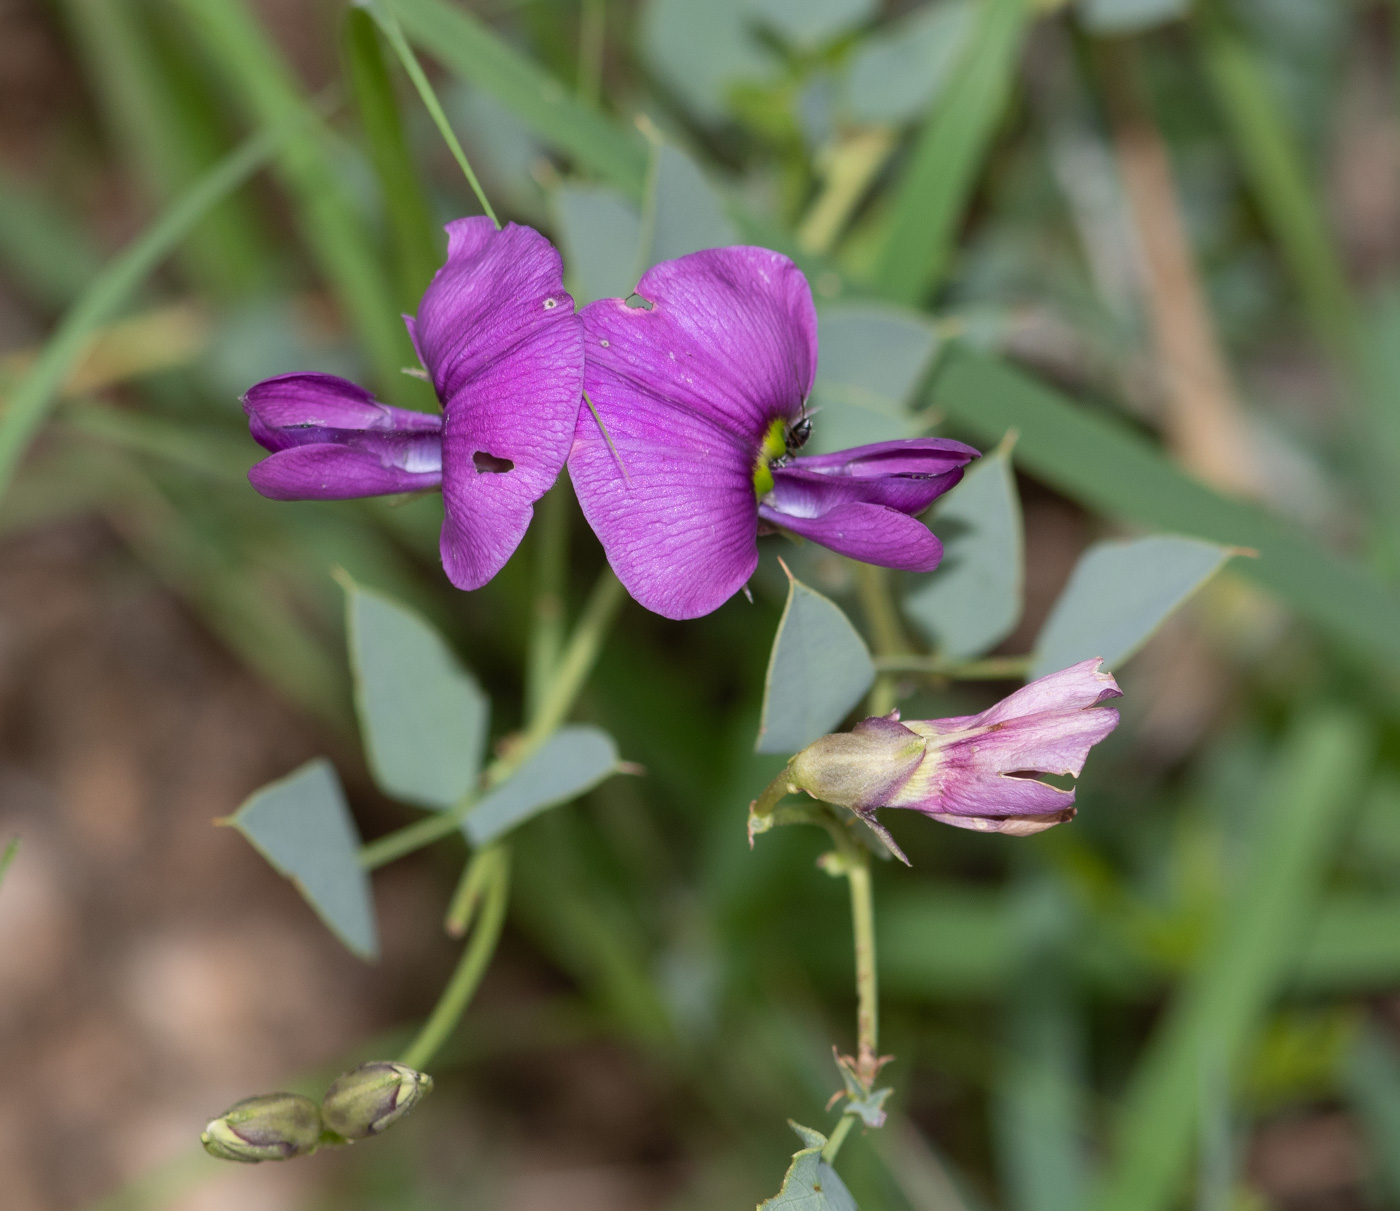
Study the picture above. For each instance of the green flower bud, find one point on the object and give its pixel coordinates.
(859, 769)
(373, 1097)
(270, 1127)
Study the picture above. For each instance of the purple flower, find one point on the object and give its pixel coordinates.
(498, 336)
(972, 771)
(701, 397)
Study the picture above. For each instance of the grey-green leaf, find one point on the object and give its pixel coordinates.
(701, 50)
(873, 358)
(303, 827)
(422, 715)
(810, 23)
(820, 668)
(810, 1184)
(572, 761)
(684, 212)
(1120, 17)
(600, 232)
(1119, 594)
(975, 597)
(896, 74)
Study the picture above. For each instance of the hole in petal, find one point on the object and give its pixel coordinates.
(636, 301)
(490, 464)
(550, 304)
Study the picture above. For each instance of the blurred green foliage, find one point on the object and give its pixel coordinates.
(1081, 1018)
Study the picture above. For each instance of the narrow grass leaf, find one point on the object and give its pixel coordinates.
(260, 77)
(415, 238)
(31, 399)
(1118, 595)
(600, 235)
(569, 764)
(423, 717)
(935, 188)
(1110, 469)
(974, 599)
(302, 826)
(460, 42)
(818, 671)
(873, 358)
(1280, 181)
(1244, 963)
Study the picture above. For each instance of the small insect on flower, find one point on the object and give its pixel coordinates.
(723, 362)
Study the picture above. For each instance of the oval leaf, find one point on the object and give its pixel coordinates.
(810, 1184)
(302, 826)
(820, 668)
(896, 74)
(422, 715)
(975, 597)
(873, 358)
(572, 761)
(1119, 594)
(599, 232)
(684, 212)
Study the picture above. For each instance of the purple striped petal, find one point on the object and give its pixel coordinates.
(499, 337)
(331, 440)
(870, 533)
(917, 456)
(686, 391)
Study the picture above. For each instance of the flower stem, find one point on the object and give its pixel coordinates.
(863, 926)
(472, 966)
(570, 674)
(551, 572)
(993, 668)
(877, 602)
(389, 24)
(838, 1137)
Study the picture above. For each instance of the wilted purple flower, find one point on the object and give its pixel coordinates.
(702, 394)
(972, 771)
(503, 347)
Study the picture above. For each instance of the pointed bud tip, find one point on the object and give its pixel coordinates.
(372, 1098)
(269, 1127)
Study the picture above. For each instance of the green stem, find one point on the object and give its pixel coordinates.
(592, 26)
(551, 572)
(460, 989)
(877, 603)
(473, 885)
(993, 668)
(863, 926)
(564, 687)
(838, 1137)
(389, 24)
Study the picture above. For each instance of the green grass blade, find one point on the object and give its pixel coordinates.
(416, 255)
(1295, 828)
(389, 26)
(1370, 1078)
(1274, 163)
(474, 53)
(1108, 468)
(34, 395)
(157, 121)
(337, 239)
(933, 194)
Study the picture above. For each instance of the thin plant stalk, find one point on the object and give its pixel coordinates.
(877, 602)
(990, 668)
(472, 966)
(389, 25)
(551, 572)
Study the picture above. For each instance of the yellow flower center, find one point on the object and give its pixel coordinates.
(774, 446)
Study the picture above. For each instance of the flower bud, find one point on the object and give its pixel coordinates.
(269, 1127)
(373, 1097)
(861, 768)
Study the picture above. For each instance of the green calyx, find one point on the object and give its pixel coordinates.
(774, 446)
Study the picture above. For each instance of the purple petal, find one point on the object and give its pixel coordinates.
(680, 528)
(1052, 742)
(808, 493)
(331, 440)
(1008, 826)
(339, 472)
(731, 334)
(870, 533)
(1078, 687)
(499, 337)
(297, 409)
(931, 456)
